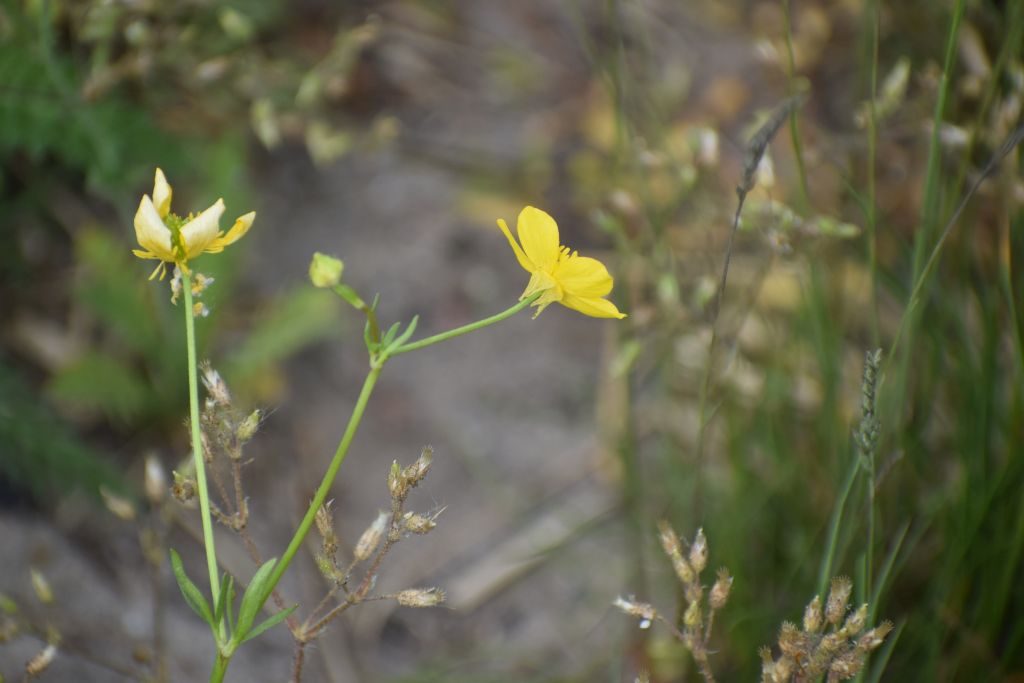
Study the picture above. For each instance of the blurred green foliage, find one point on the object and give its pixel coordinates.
(93, 96)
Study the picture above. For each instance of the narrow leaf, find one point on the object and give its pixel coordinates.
(222, 600)
(408, 331)
(390, 335)
(190, 591)
(254, 597)
(269, 623)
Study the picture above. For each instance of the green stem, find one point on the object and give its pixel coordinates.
(872, 155)
(794, 133)
(458, 331)
(197, 440)
(376, 366)
(325, 484)
(220, 668)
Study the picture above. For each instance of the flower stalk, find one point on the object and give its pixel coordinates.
(197, 439)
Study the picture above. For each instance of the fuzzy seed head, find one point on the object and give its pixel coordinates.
(855, 622)
(42, 659)
(720, 591)
(249, 426)
(640, 610)
(214, 384)
(838, 598)
(693, 617)
(873, 638)
(420, 597)
(417, 524)
(813, 616)
(845, 666)
(324, 520)
(699, 552)
(396, 483)
(670, 544)
(789, 639)
(370, 539)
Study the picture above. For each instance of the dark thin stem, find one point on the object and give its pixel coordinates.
(298, 660)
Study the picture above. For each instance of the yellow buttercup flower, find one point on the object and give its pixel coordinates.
(171, 239)
(558, 274)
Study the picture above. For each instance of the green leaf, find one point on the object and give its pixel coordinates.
(390, 335)
(255, 595)
(408, 331)
(225, 599)
(190, 591)
(269, 623)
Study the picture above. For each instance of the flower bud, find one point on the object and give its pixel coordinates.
(325, 271)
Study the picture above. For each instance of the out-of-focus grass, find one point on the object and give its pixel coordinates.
(936, 546)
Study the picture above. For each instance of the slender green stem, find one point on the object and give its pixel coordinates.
(929, 215)
(794, 132)
(458, 331)
(197, 440)
(220, 668)
(325, 484)
(376, 367)
(872, 155)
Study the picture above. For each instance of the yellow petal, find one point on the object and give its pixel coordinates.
(595, 308)
(538, 233)
(237, 232)
(147, 255)
(524, 261)
(161, 194)
(583, 277)
(202, 230)
(150, 231)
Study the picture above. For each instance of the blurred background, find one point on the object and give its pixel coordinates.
(393, 134)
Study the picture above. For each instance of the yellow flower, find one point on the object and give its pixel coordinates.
(170, 239)
(575, 281)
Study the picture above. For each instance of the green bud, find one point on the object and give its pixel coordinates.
(325, 271)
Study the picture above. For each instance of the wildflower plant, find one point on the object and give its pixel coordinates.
(219, 432)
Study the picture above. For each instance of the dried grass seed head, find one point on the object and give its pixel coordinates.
(720, 591)
(371, 538)
(838, 599)
(699, 552)
(420, 597)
